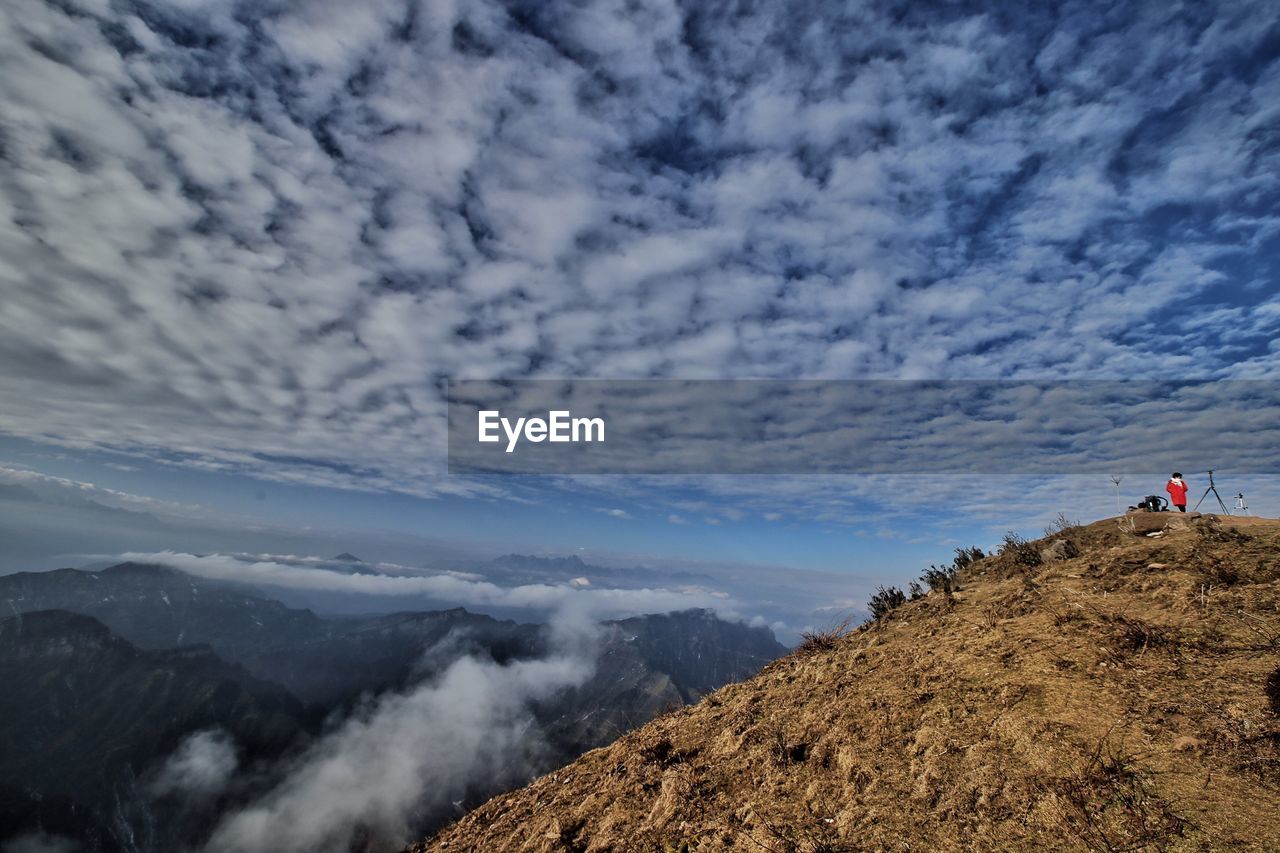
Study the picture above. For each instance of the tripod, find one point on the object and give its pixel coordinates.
(1214, 489)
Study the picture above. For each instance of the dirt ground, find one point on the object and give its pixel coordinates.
(1127, 698)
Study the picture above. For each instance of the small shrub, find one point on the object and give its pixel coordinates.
(966, 557)
(885, 600)
(1061, 524)
(823, 640)
(789, 836)
(944, 578)
(1138, 635)
(1022, 552)
(917, 591)
(1266, 635)
(1073, 615)
(940, 578)
(784, 752)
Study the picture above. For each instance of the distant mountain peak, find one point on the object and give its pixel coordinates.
(347, 557)
(571, 560)
(131, 568)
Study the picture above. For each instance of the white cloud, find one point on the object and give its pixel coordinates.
(51, 484)
(411, 754)
(200, 767)
(449, 586)
(258, 242)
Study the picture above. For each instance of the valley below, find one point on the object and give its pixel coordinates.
(152, 710)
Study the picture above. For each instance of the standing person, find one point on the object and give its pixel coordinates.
(1177, 490)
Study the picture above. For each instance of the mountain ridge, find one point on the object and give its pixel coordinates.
(1126, 697)
(156, 607)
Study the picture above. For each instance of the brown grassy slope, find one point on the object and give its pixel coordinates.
(1128, 698)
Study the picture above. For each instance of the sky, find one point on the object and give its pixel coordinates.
(243, 247)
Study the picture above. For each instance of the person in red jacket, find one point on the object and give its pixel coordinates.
(1177, 490)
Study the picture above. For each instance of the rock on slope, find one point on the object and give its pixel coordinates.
(1126, 698)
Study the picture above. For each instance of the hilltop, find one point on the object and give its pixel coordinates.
(1123, 693)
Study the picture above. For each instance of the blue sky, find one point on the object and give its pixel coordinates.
(243, 245)
(648, 522)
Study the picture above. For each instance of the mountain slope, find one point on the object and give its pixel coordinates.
(648, 665)
(86, 713)
(1125, 698)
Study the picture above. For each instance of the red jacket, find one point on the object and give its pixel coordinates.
(1177, 491)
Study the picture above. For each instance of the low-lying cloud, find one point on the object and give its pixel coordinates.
(412, 758)
(201, 766)
(598, 602)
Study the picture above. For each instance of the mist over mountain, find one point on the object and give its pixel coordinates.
(520, 588)
(295, 688)
(523, 568)
(51, 522)
(324, 661)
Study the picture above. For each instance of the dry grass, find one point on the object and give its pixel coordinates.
(1118, 700)
(826, 639)
(1111, 805)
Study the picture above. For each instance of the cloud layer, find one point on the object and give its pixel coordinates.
(450, 586)
(258, 237)
(411, 757)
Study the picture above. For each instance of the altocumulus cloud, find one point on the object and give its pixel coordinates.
(258, 237)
